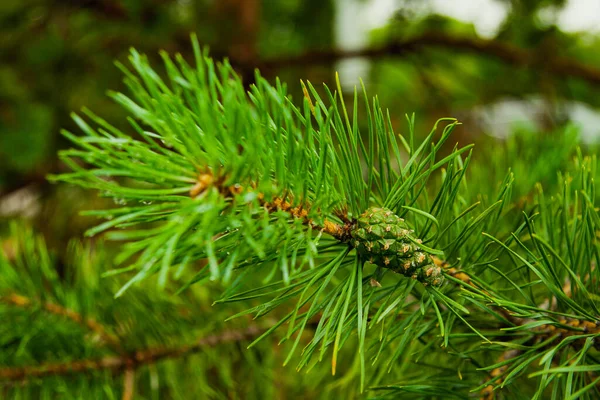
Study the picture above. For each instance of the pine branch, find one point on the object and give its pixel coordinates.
(568, 326)
(543, 334)
(55, 309)
(207, 180)
(546, 334)
(505, 52)
(246, 182)
(129, 361)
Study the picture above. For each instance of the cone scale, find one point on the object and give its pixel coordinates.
(382, 238)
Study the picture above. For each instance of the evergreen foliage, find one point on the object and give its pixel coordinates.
(252, 199)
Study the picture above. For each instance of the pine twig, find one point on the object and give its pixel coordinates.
(55, 309)
(576, 326)
(207, 180)
(504, 52)
(129, 361)
(542, 332)
(128, 384)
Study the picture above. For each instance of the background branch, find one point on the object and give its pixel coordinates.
(504, 52)
(130, 361)
(89, 323)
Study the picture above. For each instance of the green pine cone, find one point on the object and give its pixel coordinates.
(382, 238)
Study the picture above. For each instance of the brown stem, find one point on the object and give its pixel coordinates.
(128, 384)
(207, 180)
(89, 323)
(129, 361)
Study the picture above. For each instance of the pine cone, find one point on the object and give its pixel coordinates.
(382, 238)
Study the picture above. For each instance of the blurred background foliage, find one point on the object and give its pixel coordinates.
(525, 86)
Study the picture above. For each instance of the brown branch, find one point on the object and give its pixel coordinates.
(129, 361)
(55, 309)
(505, 52)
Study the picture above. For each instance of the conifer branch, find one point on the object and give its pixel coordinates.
(89, 323)
(542, 333)
(504, 52)
(240, 178)
(129, 361)
(570, 326)
(207, 180)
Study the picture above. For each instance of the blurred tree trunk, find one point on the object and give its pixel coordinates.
(239, 34)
